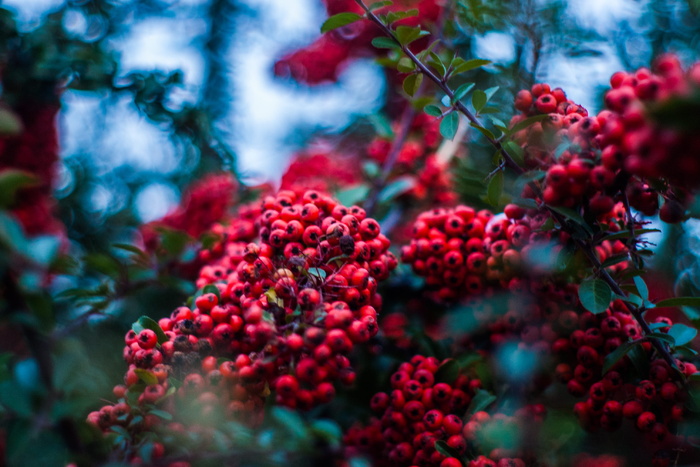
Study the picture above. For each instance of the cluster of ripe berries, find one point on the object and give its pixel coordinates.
(589, 159)
(282, 316)
(425, 408)
(331, 172)
(323, 60)
(462, 252)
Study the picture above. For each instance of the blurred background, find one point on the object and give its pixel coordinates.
(154, 94)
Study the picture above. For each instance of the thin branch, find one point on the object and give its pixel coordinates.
(660, 346)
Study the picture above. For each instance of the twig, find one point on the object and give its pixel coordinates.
(509, 161)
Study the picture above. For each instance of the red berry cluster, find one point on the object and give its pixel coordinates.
(34, 149)
(324, 59)
(206, 202)
(320, 170)
(419, 411)
(283, 315)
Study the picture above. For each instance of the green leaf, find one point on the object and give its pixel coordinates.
(682, 334)
(490, 92)
(679, 301)
(11, 181)
(436, 63)
(372, 170)
(378, 5)
(484, 131)
(43, 249)
(461, 66)
(318, 272)
(479, 100)
(449, 125)
(385, 43)
(481, 400)
(412, 83)
(572, 215)
(146, 376)
(132, 249)
(616, 355)
(462, 91)
(527, 122)
(628, 234)
(408, 34)
(353, 195)
(446, 450)
(161, 414)
(396, 188)
(515, 152)
(433, 110)
(641, 287)
(447, 372)
(495, 189)
(663, 337)
(616, 259)
(145, 322)
(595, 295)
(338, 21)
(406, 65)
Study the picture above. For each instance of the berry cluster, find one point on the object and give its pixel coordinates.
(420, 410)
(324, 59)
(281, 314)
(320, 170)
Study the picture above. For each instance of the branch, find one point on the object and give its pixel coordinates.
(510, 162)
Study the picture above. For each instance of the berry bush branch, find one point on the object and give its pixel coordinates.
(510, 162)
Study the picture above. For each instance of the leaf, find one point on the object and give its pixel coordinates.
(161, 414)
(406, 65)
(146, 376)
(462, 91)
(445, 449)
(641, 287)
(479, 100)
(145, 322)
(433, 110)
(527, 122)
(396, 188)
(378, 5)
(616, 355)
(353, 195)
(449, 125)
(371, 169)
(679, 301)
(408, 34)
(682, 334)
(385, 43)
(11, 181)
(628, 234)
(10, 123)
(436, 62)
(595, 295)
(412, 83)
(481, 400)
(484, 131)
(515, 152)
(495, 189)
(447, 372)
(318, 272)
(571, 215)
(338, 21)
(464, 66)
(663, 337)
(490, 92)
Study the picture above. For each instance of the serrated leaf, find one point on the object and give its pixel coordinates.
(464, 66)
(495, 189)
(385, 43)
(616, 355)
(146, 376)
(433, 110)
(338, 21)
(412, 83)
(479, 100)
(482, 399)
(682, 334)
(679, 301)
(462, 91)
(447, 372)
(445, 449)
(595, 295)
(449, 125)
(145, 322)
